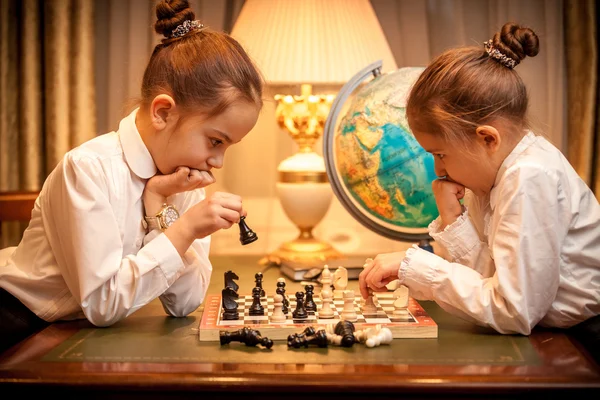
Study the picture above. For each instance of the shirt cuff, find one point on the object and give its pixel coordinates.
(166, 256)
(458, 238)
(417, 271)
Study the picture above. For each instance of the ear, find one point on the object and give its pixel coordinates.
(489, 137)
(161, 108)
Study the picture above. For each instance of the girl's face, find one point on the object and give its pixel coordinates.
(200, 143)
(472, 168)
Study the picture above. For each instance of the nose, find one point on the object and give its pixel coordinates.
(215, 162)
(438, 167)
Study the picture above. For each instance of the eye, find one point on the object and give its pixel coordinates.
(439, 156)
(216, 142)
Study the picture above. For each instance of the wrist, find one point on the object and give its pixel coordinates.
(153, 202)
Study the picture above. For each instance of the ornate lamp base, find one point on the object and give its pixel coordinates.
(305, 249)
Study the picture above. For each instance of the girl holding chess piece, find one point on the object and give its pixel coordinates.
(524, 247)
(124, 218)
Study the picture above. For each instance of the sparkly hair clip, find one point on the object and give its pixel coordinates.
(186, 27)
(497, 55)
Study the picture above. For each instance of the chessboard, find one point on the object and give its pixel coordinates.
(417, 324)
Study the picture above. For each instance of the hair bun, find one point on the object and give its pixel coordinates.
(170, 14)
(517, 42)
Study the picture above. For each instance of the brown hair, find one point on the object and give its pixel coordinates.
(464, 88)
(203, 69)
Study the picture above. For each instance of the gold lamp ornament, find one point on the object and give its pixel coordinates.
(303, 187)
(308, 43)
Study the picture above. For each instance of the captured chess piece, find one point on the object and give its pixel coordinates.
(247, 235)
(250, 337)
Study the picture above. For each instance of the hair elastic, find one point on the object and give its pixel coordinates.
(185, 27)
(499, 56)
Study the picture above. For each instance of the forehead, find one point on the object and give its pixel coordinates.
(430, 142)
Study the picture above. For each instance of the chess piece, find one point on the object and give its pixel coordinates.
(309, 303)
(230, 278)
(249, 337)
(369, 307)
(286, 301)
(256, 308)
(374, 336)
(278, 315)
(326, 277)
(247, 235)
(300, 312)
(401, 303)
(340, 282)
(326, 299)
(284, 307)
(319, 339)
(308, 331)
(230, 305)
(379, 337)
(348, 312)
(345, 329)
(258, 279)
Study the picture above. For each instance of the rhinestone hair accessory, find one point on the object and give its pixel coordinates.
(186, 27)
(497, 55)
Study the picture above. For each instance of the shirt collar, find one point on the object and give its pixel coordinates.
(136, 153)
(523, 144)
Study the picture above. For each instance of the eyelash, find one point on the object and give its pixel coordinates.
(216, 142)
(439, 156)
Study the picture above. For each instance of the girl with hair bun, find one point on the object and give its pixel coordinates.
(521, 228)
(123, 219)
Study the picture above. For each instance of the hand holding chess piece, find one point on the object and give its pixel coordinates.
(247, 235)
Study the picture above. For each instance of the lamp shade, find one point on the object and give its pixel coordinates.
(312, 41)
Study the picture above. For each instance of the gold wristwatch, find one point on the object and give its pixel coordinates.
(167, 215)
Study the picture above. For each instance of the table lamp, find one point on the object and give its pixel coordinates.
(305, 43)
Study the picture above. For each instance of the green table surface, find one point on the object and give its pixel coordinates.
(151, 336)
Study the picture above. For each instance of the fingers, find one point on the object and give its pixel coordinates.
(362, 282)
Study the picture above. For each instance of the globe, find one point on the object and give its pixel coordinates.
(377, 169)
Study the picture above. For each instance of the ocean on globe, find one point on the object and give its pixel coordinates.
(384, 170)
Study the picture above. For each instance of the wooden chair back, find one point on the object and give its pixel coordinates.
(16, 205)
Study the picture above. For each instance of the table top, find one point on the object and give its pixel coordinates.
(155, 355)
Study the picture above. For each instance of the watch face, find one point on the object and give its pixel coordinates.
(169, 216)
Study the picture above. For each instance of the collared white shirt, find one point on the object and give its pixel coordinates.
(527, 254)
(85, 252)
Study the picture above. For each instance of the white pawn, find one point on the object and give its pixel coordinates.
(369, 306)
(278, 315)
(348, 312)
(326, 298)
(401, 303)
(376, 337)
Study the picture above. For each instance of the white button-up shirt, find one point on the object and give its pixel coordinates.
(527, 254)
(85, 252)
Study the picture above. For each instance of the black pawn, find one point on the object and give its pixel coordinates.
(286, 303)
(309, 303)
(300, 311)
(247, 235)
(256, 308)
(258, 278)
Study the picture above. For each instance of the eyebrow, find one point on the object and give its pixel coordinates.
(223, 135)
